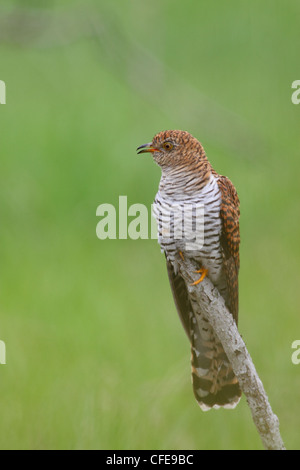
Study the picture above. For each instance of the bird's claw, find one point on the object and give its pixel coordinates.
(203, 272)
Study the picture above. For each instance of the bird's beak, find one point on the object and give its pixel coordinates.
(146, 148)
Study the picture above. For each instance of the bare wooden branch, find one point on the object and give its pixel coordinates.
(225, 327)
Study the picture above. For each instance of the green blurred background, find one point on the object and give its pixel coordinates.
(96, 356)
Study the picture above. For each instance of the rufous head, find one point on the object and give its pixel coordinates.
(174, 148)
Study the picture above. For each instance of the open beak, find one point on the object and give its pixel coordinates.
(146, 148)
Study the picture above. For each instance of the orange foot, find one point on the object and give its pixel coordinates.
(181, 255)
(203, 272)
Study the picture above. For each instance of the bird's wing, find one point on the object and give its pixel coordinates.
(230, 241)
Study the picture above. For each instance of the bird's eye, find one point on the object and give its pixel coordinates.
(168, 145)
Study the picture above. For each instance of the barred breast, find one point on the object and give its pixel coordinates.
(174, 237)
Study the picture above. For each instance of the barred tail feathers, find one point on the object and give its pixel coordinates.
(214, 382)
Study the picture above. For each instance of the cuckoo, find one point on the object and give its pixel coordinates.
(189, 181)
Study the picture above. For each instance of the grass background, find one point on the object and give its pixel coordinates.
(96, 356)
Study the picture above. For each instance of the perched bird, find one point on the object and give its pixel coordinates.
(188, 179)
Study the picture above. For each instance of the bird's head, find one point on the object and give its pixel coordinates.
(171, 149)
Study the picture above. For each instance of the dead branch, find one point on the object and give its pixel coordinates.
(225, 327)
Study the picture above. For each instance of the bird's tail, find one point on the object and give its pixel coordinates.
(214, 382)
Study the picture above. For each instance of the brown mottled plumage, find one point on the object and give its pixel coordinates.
(188, 179)
(230, 240)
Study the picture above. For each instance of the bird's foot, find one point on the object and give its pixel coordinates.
(203, 273)
(181, 255)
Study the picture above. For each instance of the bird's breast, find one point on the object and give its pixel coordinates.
(191, 224)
